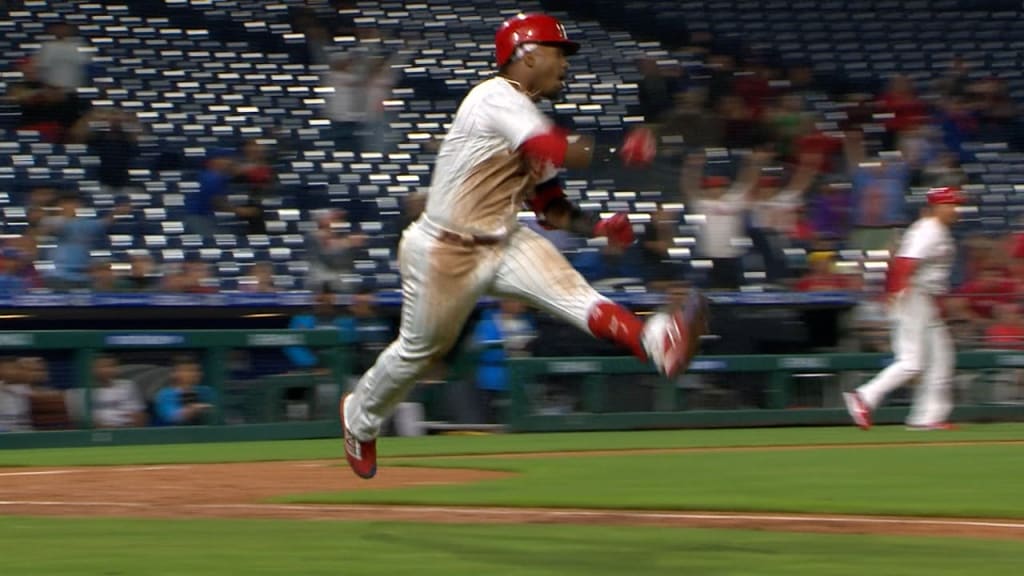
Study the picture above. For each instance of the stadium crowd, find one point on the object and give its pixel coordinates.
(778, 194)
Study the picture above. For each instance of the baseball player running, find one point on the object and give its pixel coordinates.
(917, 278)
(500, 153)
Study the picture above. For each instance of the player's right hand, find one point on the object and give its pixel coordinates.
(639, 148)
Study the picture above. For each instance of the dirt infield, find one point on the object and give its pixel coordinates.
(240, 491)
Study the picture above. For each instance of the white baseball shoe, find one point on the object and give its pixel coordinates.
(665, 340)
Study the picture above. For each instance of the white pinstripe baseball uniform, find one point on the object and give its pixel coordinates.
(921, 341)
(479, 184)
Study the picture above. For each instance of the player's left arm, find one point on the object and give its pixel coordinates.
(554, 210)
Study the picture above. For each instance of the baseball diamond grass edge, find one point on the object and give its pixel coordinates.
(958, 481)
(106, 547)
(497, 443)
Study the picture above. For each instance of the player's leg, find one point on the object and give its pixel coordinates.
(534, 271)
(912, 316)
(933, 399)
(441, 283)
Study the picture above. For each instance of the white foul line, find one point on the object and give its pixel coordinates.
(542, 513)
(87, 469)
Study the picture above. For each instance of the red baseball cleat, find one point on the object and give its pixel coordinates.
(858, 410)
(361, 456)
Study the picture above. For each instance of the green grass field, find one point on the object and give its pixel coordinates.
(907, 473)
(275, 548)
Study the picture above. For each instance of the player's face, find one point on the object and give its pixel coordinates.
(947, 213)
(550, 66)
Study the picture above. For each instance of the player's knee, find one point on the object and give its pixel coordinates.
(911, 368)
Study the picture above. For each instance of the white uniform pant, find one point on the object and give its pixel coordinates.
(441, 284)
(923, 349)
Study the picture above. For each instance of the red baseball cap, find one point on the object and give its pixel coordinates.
(945, 195)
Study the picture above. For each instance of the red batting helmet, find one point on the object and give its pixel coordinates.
(530, 28)
(945, 195)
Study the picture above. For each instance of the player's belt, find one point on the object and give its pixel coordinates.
(467, 239)
(459, 239)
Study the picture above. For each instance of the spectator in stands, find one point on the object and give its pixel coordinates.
(63, 61)
(944, 170)
(116, 402)
(143, 275)
(102, 277)
(774, 214)
(879, 185)
(655, 90)
(816, 139)
(365, 330)
(786, 122)
(11, 282)
(1006, 332)
(212, 197)
(186, 400)
(741, 128)
(255, 174)
(323, 315)
(502, 333)
(956, 81)
(992, 286)
(380, 80)
(658, 238)
(821, 275)
(260, 280)
(723, 207)
(47, 406)
(871, 320)
(112, 134)
(690, 119)
(609, 264)
(345, 104)
(193, 277)
(829, 211)
(904, 110)
(41, 201)
(44, 108)
(76, 236)
(997, 111)
(15, 397)
(330, 250)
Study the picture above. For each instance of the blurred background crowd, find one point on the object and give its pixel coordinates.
(248, 148)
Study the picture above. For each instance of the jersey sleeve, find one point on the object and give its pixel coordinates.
(917, 242)
(513, 117)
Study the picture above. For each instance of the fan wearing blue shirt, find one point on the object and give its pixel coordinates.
(185, 401)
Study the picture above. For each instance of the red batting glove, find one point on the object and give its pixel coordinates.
(639, 148)
(617, 229)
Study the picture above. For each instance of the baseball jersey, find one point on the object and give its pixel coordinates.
(480, 178)
(116, 405)
(930, 242)
(723, 224)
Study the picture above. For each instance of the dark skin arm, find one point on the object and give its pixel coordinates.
(580, 152)
(564, 215)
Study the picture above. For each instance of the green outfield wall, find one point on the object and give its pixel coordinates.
(600, 382)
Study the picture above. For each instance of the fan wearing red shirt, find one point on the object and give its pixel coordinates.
(991, 287)
(1007, 332)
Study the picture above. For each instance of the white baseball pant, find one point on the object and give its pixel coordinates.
(923, 348)
(441, 284)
